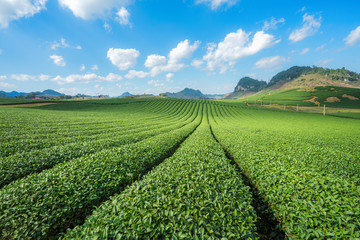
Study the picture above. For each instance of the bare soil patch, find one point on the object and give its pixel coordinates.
(350, 97)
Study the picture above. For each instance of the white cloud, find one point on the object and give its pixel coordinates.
(305, 51)
(123, 16)
(272, 24)
(43, 77)
(123, 59)
(15, 9)
(95, 68)
(63, 44)
(236, 45)
(155, 60)
(169, 76)
(86, 78)
(159, 64)
(215, 4)
(155, 83)
(310, 26)
(182, 51)
(6, 85)
(58, 60)
(26, 77)
(3, 77)
(353, 37)
(87, 9)
(197, 63)
(82, 67)
(269, 62)
(136, 74)
(324, 62)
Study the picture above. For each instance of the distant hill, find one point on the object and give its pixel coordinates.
(187, 93)
(13, 94)
(302, 77)
(247, 86)
(307, 86)
(125, 94)
(50, 92)
(47, 92)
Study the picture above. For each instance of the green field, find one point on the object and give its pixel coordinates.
(177, 169)
(10, 101)
(331, 96)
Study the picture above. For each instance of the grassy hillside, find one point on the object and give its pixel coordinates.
(332, 96)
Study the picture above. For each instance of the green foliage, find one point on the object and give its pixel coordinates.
(306, 166)
(249, 84)
(61, 161)
(288, 75)
(195, 194)
(10, 101)
(24, 163)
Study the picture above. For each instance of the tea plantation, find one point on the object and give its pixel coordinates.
(176, 169)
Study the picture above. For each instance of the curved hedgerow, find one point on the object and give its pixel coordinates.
(195, 194)
(309, 178)
(42, 205)
(25, 163)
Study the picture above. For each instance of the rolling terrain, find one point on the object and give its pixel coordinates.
(303, 86)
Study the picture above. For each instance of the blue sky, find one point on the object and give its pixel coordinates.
(153, 46)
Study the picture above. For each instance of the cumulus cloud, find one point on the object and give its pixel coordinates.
(272, 23)
(87, 78)
(197, 63)
(182, 51)
(158, 64)
(236, 45)
(82, 67)
(310, 26)
(87, 9)
(26, 77)
(3, 77)
(95, 68)
(305, 51)
(155, 60)
(63, 44)
(270, 62)
(169, 77)
(123, 59)
(15, 9)
(58, 60)
(123, 16)
(43, 77)
(353, 37)
(136, 74)
(215, 4)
